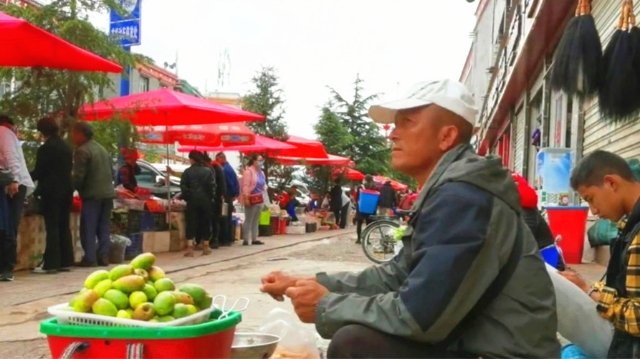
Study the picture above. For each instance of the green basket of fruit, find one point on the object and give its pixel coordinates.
(138, 295)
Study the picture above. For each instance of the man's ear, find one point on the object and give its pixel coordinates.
(611, 181)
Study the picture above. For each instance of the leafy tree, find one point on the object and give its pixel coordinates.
(336, 139)
(40, 91)
(266, 98)
(368, 145)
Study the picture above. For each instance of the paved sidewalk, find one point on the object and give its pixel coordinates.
(30, 287)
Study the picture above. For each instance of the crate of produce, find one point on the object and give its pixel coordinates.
(211, 339)
(265, 230)
(160, 221)
(127, 221)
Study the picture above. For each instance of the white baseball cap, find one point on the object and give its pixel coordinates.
(449, 94)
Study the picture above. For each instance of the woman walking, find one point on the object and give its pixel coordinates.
(198, 189)
(252, 197)
(54, 162)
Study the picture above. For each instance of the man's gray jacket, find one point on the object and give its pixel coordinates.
(468, 221)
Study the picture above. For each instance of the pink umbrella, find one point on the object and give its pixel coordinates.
(165, 107)
(262, 144)
(23, 44)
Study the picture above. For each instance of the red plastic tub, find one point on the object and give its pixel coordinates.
(208, 340)
(569, 222)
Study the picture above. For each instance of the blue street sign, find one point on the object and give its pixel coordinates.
(131, 11)
(128, 31)
(126, 26)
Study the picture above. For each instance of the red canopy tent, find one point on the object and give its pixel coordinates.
(395, 184)
(262, 144)
(331, 160)
(350, 174)
(194, 135)
(165, 107)
(304, 148)
(23, 44)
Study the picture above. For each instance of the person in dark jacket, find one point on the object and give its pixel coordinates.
(387, 200)
(54, 162)
(198, 190)
(127, 172)
(218, 200)
(93, 179)
(465, 235)
(335, 201)
(226, 236)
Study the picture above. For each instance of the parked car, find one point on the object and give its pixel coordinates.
(153, 180)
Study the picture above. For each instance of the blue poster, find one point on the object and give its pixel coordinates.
(554, 173)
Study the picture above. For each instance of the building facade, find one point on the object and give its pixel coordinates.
(512, 91)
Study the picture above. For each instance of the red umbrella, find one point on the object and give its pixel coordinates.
(395, 184)
(194, 135)
(331, 160)
(165, 107)
(353, 175)
(304, 148)
(26, 45)
(262, 144)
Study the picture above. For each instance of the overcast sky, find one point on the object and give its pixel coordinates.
(312, 44)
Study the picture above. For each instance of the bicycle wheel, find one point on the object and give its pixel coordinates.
(382, 249)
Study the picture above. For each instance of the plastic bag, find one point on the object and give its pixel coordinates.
(296, 339)
(602, 233)
(122, 240)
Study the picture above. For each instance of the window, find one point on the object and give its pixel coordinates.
(146, 176)
(144, 84)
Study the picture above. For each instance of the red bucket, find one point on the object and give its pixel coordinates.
(217, 345)
(569, 222)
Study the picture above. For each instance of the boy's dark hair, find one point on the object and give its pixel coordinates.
(590, 170)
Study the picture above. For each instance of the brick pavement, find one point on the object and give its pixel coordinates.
(30, 287)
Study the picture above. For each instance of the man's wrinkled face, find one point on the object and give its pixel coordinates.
(604, 201)
(419, 139)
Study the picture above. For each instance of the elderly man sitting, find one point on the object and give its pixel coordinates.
(469, 281)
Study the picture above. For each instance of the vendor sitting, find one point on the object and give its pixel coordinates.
(289, 202)
(127, 173)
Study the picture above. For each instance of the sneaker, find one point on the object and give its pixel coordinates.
(64, 269)
(245, 243)
(6, 277)
(257, 242)
(40, 270)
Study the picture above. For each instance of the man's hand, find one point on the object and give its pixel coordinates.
(276, 283)
(13, 188)
(576, 279)
(305, 297)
